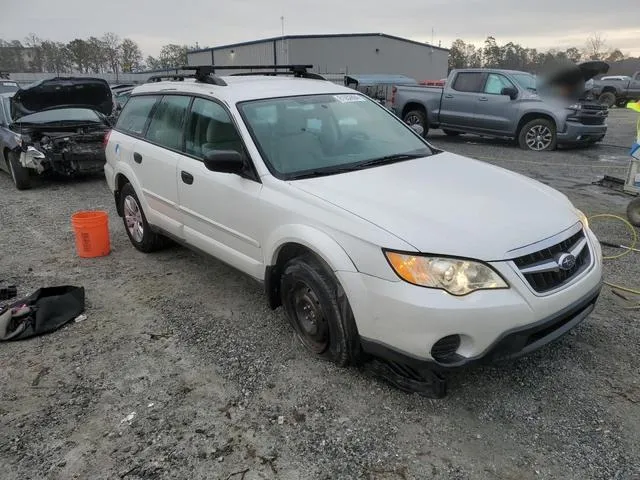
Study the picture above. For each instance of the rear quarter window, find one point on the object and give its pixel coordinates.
(135, 114)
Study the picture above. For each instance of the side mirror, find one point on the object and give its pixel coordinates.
(510, 92)
(224, 161)
(416, 127)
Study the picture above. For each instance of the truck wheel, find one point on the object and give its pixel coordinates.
(135, 223)
(319, 312)
(451, 133)
(19, 174)
(538, 135)
(417, 117)
(607, 98)
(633, 212)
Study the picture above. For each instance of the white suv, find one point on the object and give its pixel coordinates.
(374, 242)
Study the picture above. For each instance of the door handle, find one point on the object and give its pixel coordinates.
(137, 157)
(186, 177)
(483, 99)
(448, 96)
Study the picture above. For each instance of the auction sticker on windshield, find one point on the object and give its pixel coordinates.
(349, 98)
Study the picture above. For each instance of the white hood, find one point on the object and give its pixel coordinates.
(450, 205)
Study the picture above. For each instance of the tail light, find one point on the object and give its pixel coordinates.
(105, 140)
(393, 96)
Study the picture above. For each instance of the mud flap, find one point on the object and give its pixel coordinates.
(426, 383)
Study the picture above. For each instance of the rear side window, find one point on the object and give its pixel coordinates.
(469, 82)
(166, 124)
(134, 116)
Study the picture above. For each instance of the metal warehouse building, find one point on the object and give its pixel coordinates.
(359, 53)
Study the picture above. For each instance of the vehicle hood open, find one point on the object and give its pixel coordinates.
(61, 92)
(450, 205)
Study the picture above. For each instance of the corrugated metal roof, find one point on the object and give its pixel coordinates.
(331, 35)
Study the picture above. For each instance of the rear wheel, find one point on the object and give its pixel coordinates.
(451, 133)
(318, 310)
(19, 174)
(538, 135)
(607, 98)
(135, 222)
(417, 117)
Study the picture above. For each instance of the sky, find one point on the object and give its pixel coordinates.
(542, 24)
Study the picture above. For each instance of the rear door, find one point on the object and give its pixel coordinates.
(152, 154)
(634, 87)
(496, 113)
(460, 100)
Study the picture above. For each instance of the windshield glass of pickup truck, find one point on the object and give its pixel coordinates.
(525, 80)
(318, 135)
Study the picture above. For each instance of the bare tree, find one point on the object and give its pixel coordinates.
(596, 48)
(112, 47)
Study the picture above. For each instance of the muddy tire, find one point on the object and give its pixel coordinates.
(135, 223)
(19, 174)
(607, 98)
(633, 212)
(317, 308)
(417, 117)
(538, 135)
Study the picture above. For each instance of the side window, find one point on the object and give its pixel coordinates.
(495, 84)
(135, 114)
(210, 128)
(166, 124)
(468, 82)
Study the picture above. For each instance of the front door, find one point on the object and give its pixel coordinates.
(496, 113)
(220, 211)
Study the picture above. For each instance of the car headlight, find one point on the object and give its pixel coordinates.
(456, 276)
(583, 218)
(575, 106)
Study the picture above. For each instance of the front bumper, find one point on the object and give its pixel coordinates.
(580, 133)
(399, 321)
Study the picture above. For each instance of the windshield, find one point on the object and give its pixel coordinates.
(63, 115)
(525, 80)
(318, 135)
(8, 87)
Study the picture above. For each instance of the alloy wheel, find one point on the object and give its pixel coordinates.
(539, 137)
(133, 218)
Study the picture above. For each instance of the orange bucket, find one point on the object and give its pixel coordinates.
(92, 233)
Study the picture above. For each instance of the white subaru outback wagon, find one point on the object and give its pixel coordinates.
(376, 244)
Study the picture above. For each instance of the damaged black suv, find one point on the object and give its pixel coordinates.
(54, 126)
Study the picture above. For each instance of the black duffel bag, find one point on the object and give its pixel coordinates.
(44, 311)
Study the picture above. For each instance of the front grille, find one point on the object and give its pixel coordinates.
(593, 106)
(545, 281)
(592, 120)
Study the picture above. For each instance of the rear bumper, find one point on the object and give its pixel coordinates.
(580, 133)
(511, 345)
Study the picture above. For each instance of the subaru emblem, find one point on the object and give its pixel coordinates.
(566, 261)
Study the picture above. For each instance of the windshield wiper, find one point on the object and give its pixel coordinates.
(398, 157)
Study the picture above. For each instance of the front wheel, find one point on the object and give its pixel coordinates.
(607, 98)
(417, 117)
(319, 312)
(19, 174)
(538, 135)
(135, 222)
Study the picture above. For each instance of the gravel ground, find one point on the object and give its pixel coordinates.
(182, 371)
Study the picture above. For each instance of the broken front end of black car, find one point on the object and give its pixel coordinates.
(59, 128)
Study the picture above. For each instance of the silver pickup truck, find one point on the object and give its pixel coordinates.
(501, 103)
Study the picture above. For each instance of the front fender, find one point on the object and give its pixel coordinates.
(312, 238)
